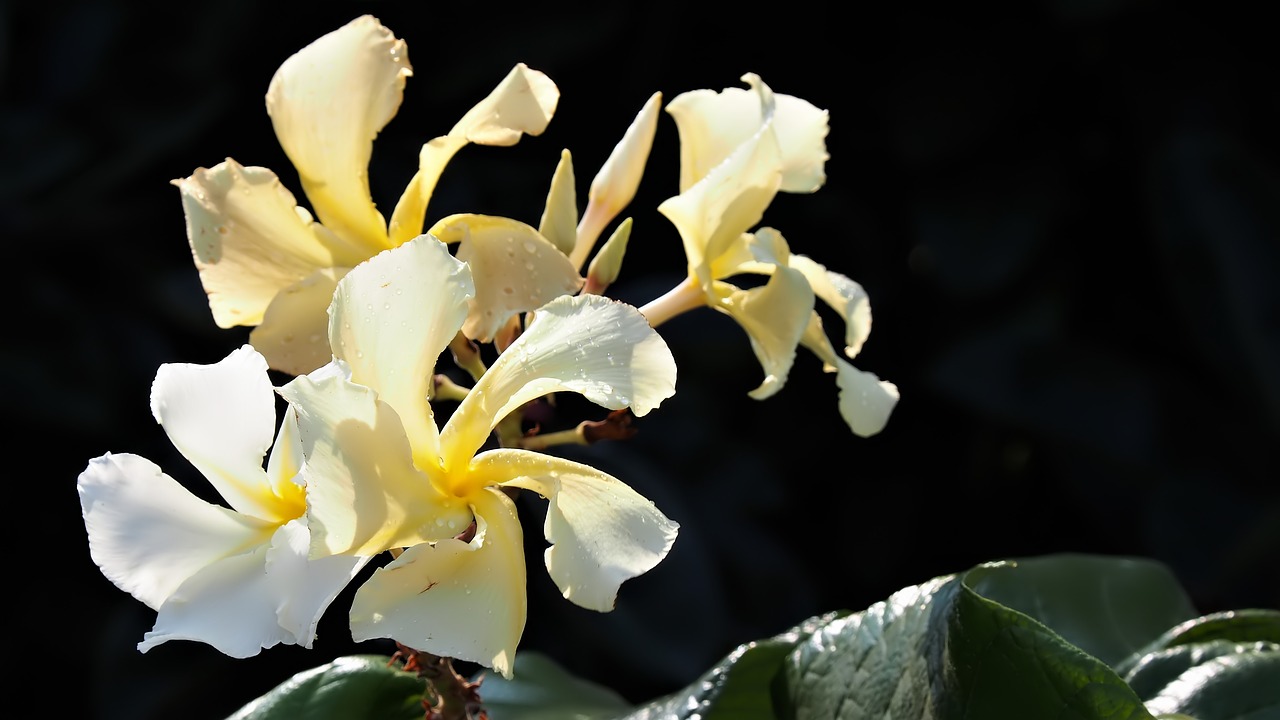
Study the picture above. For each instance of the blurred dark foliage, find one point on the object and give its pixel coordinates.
(1066, 214)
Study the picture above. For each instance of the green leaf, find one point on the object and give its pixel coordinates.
(739, 687)
(349, 687)
(943, 650)
(542, 690)
(1235, 686)
(1110, 607)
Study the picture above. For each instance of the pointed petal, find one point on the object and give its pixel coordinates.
(522, 103)
(844, 296)
(221, 417)
(391, 318)
(775, 316)
(601, 348)
(148, 533)
(303, 589)
(293, 336)
(460, 600)
(228, 605)
(284, 466)
(249, 239)
(602, 531)
(327, 103)
(515, 269)
(364, 492)
(711, 125)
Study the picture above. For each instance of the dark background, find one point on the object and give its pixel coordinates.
(1066, 215)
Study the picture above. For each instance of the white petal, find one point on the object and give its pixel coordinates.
(866, 401)
(221, 417)
(148, 533)
(602, 532)
(601, 348)
(303, 588)
(460, 600)
(515, 269)
(294, 334)
(774, 316)
(391, 318)
(228, 605)
(844, 296)
(327, 103)
(250, 240)
(364, 492)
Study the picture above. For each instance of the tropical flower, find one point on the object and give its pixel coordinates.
(381, 475)
(236, 578)
(738, 149)
(264, 261)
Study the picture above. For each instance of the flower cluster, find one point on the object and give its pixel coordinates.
(380, 448)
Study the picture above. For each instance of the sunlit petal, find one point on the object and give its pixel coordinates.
(148, 533)
(774, 316)
(559, 223)
(294, 334)
(221, 417)
(866, 401)
(228, 604)
(844, 296)
(327, 103)
(364, 493)
(522, 103)
(249, 239)
(391, 319)
(602, 531)
(515, 269)
(303, 589)
(601, 348)
(460, 600)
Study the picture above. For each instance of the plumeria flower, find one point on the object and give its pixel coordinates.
(266, 262)
(738, 149)
(381, 475)
(237, 578)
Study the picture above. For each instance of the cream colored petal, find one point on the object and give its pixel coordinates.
(844, 296)
(711, 125)
(327, 103)
(775, 316)
(148, 533)
(603, 533)
(515, 269)
(250, 240)
(559, 223)
(302, 588)
(522, 103)
(712, 214)
(391, 318)
(293, 336)
(453, 599)
(221, 417)
(600, 348)
(866, 401)
(364, 493)
(615, 185)
(228, 604)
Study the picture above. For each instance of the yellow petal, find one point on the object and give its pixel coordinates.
(866, 401)
(454, 599)
(327, 103)
(515, 269)
(522, 103)
(775, 316)
(602, 532)
(364, 492)
(559, 222)
(600, 348)
(249, 239)
(844, 296)
(294, 334)
(391, 318)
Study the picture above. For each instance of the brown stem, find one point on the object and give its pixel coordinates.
(449, 696)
